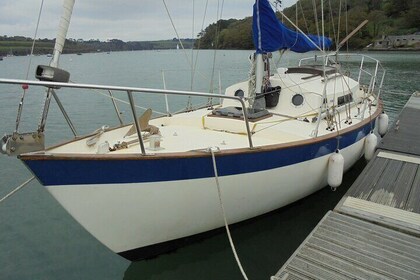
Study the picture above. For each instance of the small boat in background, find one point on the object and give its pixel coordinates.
(10, 53)
(274, 139)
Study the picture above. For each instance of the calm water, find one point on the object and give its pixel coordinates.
(39, 240)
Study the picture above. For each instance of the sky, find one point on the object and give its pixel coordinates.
(128, 20)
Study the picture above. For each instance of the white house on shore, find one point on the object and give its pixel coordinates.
(411, 41)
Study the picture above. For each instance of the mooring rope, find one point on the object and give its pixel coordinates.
(216, 177)
(17, 189)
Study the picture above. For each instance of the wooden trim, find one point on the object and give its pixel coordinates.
(194, 153)
(77, 138)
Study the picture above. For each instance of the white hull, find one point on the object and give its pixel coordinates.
(129, 216)
(151, 181)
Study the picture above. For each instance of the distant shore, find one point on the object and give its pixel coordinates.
(21, 46)
(393, 49)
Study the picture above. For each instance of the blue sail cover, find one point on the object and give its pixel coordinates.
(269, 34)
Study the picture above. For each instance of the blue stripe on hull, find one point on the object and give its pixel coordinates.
(76, 172)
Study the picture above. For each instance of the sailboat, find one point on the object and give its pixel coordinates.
(275, 138)
(10, 53)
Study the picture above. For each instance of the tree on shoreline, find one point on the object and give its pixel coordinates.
(389, 17)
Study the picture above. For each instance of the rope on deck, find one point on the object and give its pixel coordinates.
(17, 189)
(216, 177)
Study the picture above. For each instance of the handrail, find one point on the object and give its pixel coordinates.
(340, 54)
(134, 90)
(365, 72)
(373, 73)
(136, 122)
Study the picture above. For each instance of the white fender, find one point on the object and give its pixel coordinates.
(335, 169)
(371, 141)
(383, 120)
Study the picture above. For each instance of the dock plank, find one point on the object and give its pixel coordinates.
(356, 255)
(364, 250)
(374, 231)
(385, 187)
(402, 137)
(413, 201)
(357, 229)
(388, 182)
(381, 214)
(364, 184)
(406, 184)
(341, 247)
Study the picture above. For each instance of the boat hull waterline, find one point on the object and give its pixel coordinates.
(140, 203)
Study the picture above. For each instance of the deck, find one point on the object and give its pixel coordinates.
(374, 231)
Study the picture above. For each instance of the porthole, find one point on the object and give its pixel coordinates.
(240, 93)
(297, 99)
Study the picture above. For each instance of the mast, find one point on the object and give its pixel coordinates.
(259, 64)
(18, 143)
(62, 31)
(53, 73)
(259, 73)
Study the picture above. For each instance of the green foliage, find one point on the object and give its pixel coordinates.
(386, 17)
(19, 45)
(237, 36)
(227, 34)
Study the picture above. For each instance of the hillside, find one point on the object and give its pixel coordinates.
(18, 45)
(386, 17)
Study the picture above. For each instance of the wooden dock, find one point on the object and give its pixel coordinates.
(374, 231)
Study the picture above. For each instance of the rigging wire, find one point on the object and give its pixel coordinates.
(199, 41)
(315, 17)
(35, 35)
(345, 86)
(192, 46)
(189, 102)
(24, 87)
(122, 101)
(176, 32)
(190, 61)
(339, 25)
(303, 15)
(332, 20)
(197, 106)
(297, 33)
(323, 27)
(304, 35)
(347, 23)
(219, 16)
(216, 45)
